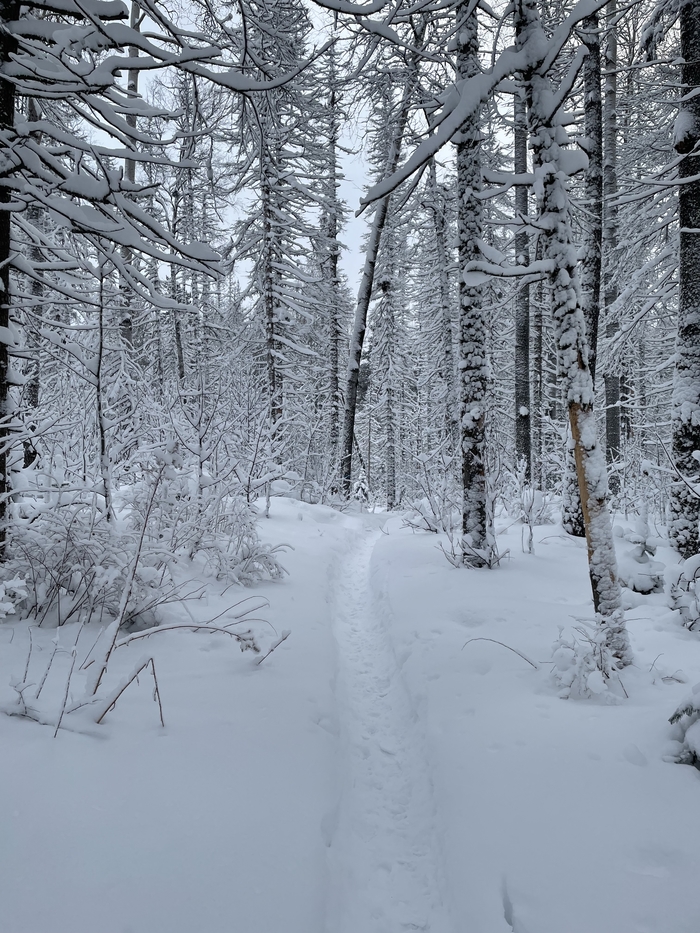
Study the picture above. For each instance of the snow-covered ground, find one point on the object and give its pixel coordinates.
(375, 774)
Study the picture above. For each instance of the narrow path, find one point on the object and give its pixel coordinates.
(385, 870)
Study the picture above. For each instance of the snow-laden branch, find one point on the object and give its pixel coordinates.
(463, 99)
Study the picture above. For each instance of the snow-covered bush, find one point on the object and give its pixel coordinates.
(181, 514)
(75, 564)
(685, 595)
(526, 504)
(686, 726)
(583, 665)
(637, 569)
(76, 559)
(13, 592)
(437, 509)
(361, 492)
(77, 674)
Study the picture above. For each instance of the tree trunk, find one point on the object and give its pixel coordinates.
(274, 389)
(438, 208)
(330, 271)
(126, 319)
(547, 135)
(537, 420)
(365, 291)
(612, 379)
(473, 331)
(591, 270)
(523, 448)
(8, 45)
(593, 244)
(685, 503)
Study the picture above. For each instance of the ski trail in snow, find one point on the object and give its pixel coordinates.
(385, 871)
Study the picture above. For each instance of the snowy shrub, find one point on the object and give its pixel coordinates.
(360, 491)
(78, 675)
(422, 515)
(582, 666)
(685, 596)
(637, 569)
(75, 564)
(12, 593)
(437, 509)
(686, 723)
(462, 553)
(184, 515)
(523, 501)
(311, 492)
(526, 504)
(77, 560)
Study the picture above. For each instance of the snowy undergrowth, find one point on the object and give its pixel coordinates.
(169, 526)
(110, 579)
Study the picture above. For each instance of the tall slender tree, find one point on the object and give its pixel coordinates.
(685, 497)
(473, 330)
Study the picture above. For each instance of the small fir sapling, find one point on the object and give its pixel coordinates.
(637, 569)
(583, 666)
(685, 595)
(686, 729)
(361, 491)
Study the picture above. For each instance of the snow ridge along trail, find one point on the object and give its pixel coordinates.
(385, 866)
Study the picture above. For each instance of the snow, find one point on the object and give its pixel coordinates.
(385, 769)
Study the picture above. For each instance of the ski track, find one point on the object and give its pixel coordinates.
(384, 859)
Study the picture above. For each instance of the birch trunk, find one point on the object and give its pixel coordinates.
(547, 136)
(591, 270)
(126, 320)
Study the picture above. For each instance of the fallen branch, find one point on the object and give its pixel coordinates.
(283, 637)
(503, 645)
(245, 638)
(111, 701)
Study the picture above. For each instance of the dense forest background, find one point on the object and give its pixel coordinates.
(179, 338)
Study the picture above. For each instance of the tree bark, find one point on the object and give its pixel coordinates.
(331, 275)
(473, 331)
(8, 45)
(612, 379)
(523, 445)
(438, 209)
(538, 385)
(685, 503)
(274, 388)
(591, 269)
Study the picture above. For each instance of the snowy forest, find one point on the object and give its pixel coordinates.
(349, 425)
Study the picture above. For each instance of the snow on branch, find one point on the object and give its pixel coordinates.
(464, 99)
